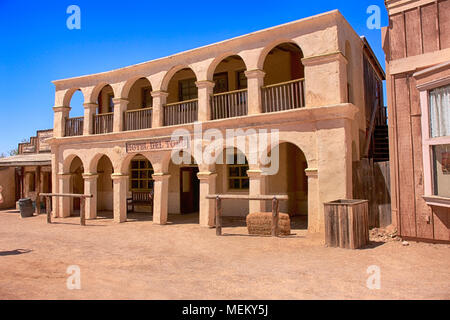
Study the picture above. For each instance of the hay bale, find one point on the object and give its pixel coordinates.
(260, 223)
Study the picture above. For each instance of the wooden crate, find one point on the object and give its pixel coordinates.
(347, 223)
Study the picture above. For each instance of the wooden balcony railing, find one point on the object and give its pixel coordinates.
(138, 119)
(181, 112)
(74, 127)
(103, 123)
(283, 96)
(229, 104)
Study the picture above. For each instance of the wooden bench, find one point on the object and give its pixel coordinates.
(140, 198)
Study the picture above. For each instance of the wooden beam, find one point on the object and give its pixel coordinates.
(247, 197)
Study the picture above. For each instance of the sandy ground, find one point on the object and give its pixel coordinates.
(139, 260)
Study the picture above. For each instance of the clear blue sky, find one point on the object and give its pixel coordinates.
(36, 46)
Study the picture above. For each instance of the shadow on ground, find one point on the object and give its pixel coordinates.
(14, 252)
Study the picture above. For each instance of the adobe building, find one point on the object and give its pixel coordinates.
(305, 79)
(417, 47)
(27, 173)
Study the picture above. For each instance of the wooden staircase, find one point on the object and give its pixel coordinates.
(380, 144)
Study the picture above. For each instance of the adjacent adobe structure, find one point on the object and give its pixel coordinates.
(305, 78)
(417, 47)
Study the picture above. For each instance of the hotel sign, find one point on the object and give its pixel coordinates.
(156, 145)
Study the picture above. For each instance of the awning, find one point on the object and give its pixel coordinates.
(21, 160)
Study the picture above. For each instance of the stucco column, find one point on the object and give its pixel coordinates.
(64, 202)
(205, 91)
(160, 198)
(325, 71)
(120, 106)
(90, 109)
(207, 207)
(255, 80)
(315, 218)
(61, 113)
(159, 100)
(119, 197)
(257, 187)
(90, 187)
(55, 182)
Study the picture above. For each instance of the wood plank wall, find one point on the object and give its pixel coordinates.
(414, 32)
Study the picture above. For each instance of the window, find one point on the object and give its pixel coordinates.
(221, 82)
(31, 182)
(110, 103)
(141, 175)
(435, 108)
(440, 112)
(441, 170)
(241, 80)
(147, 101)
(187, 89)
(237, 172)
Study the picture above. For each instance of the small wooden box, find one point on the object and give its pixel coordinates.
(347, 223)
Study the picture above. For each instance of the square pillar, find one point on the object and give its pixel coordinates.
(59, 121)
(161, 198)
(315, 218)
(120, 106)
(90, 109)
(207, 206)
(257, 187)
(205, 91)
(159, 100)
(325, 71)
(255, 80)
(120, 197)
(64, 187)
(90, 187)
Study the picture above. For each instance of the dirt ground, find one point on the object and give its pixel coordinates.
(181, 260)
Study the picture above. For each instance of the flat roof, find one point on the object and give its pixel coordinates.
(21, 160)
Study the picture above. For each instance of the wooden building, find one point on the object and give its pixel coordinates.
(417, 47)
(27, 173)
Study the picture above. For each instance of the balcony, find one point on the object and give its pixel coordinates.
(181, 112)
(103, 123)
(138, 119)
(283, 96)
(74, 127)
(229, 104)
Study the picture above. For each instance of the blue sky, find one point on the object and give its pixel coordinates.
(37, 47)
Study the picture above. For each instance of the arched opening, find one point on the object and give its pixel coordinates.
(140, 187)
(182, 101)
(105, 187)
(232, 178)
(76, 184)
(184, 188)
(103, 120)
(230, 89)
(139, 110)
(284, 80)
(74, 124)
(291, 180)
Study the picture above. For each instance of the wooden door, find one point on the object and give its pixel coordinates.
(189, 190)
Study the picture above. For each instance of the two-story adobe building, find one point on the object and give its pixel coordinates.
(305, 79)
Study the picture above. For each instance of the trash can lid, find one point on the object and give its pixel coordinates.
(24, 200)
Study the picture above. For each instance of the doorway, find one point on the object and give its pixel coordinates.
(189, 190)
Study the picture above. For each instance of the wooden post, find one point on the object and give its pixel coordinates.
(48, 209)
(275, 216)
(38, 189)
(82, 209)
(218, 216)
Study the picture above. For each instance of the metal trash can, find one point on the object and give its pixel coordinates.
(26, 208)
